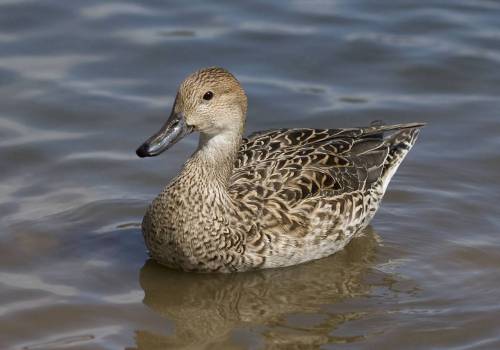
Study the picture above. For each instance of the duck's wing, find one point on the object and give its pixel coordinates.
(298, 163)
(279, 170)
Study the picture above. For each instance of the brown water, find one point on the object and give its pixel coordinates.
(83, 83)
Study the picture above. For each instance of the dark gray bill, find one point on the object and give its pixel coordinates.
(174, 129)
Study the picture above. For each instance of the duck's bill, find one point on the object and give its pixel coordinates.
(174, 129)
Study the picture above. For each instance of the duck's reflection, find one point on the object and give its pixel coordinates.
(269, 308)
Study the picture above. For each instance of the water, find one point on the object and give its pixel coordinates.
(83, 83)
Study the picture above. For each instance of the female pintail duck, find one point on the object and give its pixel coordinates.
(276, 198)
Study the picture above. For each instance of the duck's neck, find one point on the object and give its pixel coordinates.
(213, 161)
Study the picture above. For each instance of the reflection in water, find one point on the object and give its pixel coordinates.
(290, 306)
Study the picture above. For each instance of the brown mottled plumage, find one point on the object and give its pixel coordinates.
(277, 198)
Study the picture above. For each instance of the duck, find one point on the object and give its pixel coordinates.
(275, 198)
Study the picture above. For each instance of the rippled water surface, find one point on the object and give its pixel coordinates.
(83, 83)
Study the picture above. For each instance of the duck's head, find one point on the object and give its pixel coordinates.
(210, 101)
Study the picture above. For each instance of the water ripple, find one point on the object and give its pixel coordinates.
(22, 281)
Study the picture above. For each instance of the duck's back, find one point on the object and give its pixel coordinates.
(307, 192)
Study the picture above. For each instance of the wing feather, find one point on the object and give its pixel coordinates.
(279, 173)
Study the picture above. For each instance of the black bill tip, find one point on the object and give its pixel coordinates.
(142, 151)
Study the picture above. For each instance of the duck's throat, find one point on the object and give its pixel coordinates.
(214, 159)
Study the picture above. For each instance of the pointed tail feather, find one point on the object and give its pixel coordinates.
(378, 128)
(400, 143)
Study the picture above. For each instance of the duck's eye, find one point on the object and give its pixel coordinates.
(208, 95)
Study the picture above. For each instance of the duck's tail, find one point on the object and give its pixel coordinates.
(400, 138)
